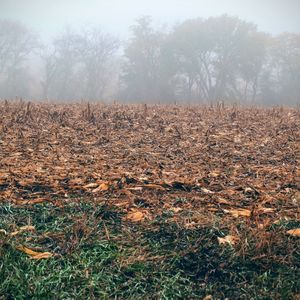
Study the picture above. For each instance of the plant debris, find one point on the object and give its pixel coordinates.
(164, 186)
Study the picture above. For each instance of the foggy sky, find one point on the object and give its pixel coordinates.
(115, 16)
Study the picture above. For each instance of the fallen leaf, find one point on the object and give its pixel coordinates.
(136, 216)
(239, 212)
(212, 209)
(294, 232)
(33, 201)
(76, 181)
(3, 231)
(91, 185)
(223, 201)
(237, 139)
(104, 186)
(42, 255)
(153, 186)
(139, 188)
(191, 224)
(296, 198)
(33, 254)
(248, 190)
(176, 209)
(214, 174)
(228, 239)
(101, 188)
(22, 229)
(206, 191)
(264, 210)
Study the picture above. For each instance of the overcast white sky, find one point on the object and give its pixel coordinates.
(115, 16)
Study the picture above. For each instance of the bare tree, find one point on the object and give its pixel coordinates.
(78, 64)
(97, 51)
(16, 44)
(217, 57)
(147, 71)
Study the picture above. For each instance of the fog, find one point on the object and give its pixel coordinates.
(115, 16)
(151, 51)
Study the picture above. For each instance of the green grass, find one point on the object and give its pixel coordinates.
(100, 256)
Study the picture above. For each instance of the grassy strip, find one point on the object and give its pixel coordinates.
(97, 255)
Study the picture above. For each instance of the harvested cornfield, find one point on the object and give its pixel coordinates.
(149, 201)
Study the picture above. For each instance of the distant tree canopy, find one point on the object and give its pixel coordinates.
(198, 60)
(17, 43)
(78, 65)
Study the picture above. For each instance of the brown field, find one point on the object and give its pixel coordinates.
(231, 167)
(220, 158)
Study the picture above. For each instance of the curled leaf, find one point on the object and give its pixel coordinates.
(207, 191)
(228, 239)
(91, 185)
(294, 232)
(3, 231)
(34, 254)
(22, 229)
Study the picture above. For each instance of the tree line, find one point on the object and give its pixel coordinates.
(197, 61)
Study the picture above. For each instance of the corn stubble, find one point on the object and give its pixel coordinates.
(195, 166)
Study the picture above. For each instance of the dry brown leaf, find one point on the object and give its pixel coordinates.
(42, 255)
(22, 229)
(228, 239)
(206, 191)
(17, 154)
(294, 232)
(76, 181)
(32, 201)
(190, 225)
(135, 216)
(296, 198)
(91, 185)
(34, 254)
(237, 139)
(212, 209)
(138, 188)
(101, 188)
(267, 198)
(230, 192)
(153, 186)
(104, 186)
(248, 190)
(239, 212)
(214, 174)
(176, 209)
(27, 182)
(265, 210)
(223, 201)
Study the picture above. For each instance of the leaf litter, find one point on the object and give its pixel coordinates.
(192, 165)
(124, 152)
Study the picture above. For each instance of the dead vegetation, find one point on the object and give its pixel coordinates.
(217, 176)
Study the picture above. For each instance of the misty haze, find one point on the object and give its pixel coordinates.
(176, 55)
(149, 149)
